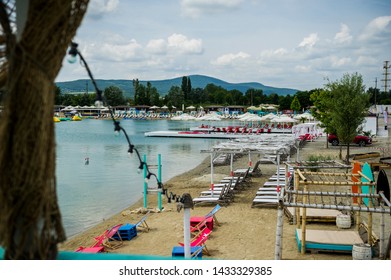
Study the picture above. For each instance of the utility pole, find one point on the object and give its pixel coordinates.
(385, 80)
(377, 121)
(385, 74)
(375, 93)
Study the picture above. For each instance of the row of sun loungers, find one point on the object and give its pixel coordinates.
(267, 195)
(223, 192)
(252, 171)
(221, 159)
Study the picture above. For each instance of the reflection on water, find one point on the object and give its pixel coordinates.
(181, 147)
(90, 193)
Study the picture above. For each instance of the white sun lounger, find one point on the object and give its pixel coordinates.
(259, 193)
(266, 197)
(268, 189)
(274, 184)
(265, 201)
(274, 178)
(252, 171)
(223, 197)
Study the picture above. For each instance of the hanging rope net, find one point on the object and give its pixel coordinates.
(30, 219)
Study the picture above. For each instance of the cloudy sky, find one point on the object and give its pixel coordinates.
(282, 43)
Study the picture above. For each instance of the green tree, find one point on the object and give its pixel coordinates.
(154, 97)
(148, 91)
(348, 107)
(184, 87)
(295, 105)
(175, 97)
(215, 94)
(304, 98)
(189, 88)
(254, 96)
(136, 84)
(374, 94)
(114, 96)
(141, 95)
(57, 96)
(237, 97)
(272, 98)
(321, 111)
(285, 102)
(84, 100)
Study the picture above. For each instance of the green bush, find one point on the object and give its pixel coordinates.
(313, 160)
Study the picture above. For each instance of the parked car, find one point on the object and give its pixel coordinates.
(360, 140)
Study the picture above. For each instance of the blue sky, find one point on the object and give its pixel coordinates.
(282, 43)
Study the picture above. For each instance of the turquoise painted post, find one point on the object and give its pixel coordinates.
(159, 176)
(145, 182)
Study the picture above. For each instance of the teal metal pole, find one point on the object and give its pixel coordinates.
(145, 182)
(159, 176)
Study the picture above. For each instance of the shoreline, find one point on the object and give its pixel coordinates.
(138, 203)
(245, 233)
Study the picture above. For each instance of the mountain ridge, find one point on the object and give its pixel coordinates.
(163, 86)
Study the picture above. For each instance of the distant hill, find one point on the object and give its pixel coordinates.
(163, 86)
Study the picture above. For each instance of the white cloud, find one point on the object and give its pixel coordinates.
(242, 40)
(182, 44)
(274, 55)
(130, 51)
(303, 68)
(376, 28)
(366, 61)
(310, 41)
(343, 36)
(157, 46)
(98, 8)
(337, 62)
(228, 59)
(195, 8)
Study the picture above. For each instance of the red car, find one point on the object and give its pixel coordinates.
(360, 140)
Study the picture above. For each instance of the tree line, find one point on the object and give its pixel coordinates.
(211, 94)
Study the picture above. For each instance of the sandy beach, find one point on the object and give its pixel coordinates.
(245, 233)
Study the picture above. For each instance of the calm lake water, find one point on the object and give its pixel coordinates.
(110, 182)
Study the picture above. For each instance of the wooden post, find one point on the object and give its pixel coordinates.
(358, 213)
(296, 219)
(232, 166)
(370, 217)
(280, 215)
(382, 251)
(303, 223)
